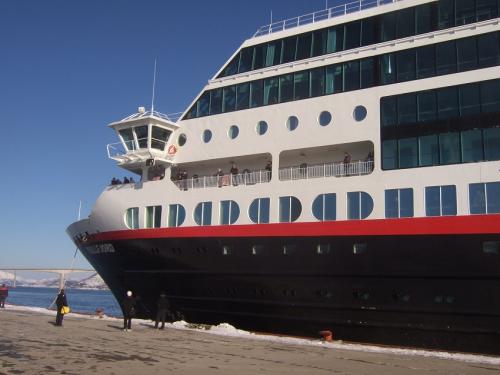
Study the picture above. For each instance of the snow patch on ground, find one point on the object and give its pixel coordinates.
(225, 329)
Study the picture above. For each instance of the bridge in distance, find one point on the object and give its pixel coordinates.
(62, 272)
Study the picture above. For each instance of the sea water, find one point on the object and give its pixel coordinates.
(80, 300)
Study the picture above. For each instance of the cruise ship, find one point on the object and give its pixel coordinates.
(341, 172)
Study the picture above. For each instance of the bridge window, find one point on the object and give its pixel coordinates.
(259, 210)
(132, 218)
(128, 138)
(216, 101)
(229, 212)
(159, 137)
(153, 216)
(203, 213)
(141, 132)
(176, 215)
(290, 209)
(359, 205)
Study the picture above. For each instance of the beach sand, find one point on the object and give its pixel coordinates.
(31, 344)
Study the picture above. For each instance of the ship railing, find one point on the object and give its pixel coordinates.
(304, 171)
(321, 15)
(121, 149)
(245, 178)
(173, 117)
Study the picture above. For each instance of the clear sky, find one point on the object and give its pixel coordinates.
(67, 69)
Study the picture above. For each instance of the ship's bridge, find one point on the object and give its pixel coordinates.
(144, 141)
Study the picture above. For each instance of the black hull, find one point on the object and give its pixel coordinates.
(429, 291)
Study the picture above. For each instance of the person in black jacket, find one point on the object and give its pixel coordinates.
(162, 308)
(4, 293)
(128, 308)
(60, 302)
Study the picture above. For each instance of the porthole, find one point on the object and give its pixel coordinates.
(325, 118)
(207, 136)
(233, 132)
(261, 127)
(359, 113)
(292, 123)
(181, 141)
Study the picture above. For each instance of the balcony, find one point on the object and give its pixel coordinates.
(245, 178)
(304, 171)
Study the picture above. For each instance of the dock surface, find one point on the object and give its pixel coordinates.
(31, 344)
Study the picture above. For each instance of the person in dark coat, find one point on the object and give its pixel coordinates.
(162, 306)
(4, 293)
(128, 308)
(60, 302)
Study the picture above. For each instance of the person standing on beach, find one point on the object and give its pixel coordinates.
(4, 293)
(161, 313)
(128, 308)
(61, 301)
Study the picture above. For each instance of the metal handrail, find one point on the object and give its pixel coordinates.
(120, 149)
(246, 178)
(321, 15)
(357, 168)
(173, 117)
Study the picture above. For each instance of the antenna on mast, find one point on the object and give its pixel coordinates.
(153, 96)
(271, 16)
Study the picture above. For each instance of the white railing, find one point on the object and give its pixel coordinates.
(246, 178)
(321, 15)
(173, 117)
(357, 168)
(121, 149)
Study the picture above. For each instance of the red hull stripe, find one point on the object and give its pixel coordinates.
(449, 225)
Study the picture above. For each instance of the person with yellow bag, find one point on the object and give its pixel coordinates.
(62, 307)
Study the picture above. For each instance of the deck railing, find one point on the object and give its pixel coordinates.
(321, 15)
(246, 178)
(304, 171)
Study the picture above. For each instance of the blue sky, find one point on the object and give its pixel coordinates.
(67, 69)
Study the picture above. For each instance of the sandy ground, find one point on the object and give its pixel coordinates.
(31, 344)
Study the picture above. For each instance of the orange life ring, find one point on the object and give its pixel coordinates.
(172, 149)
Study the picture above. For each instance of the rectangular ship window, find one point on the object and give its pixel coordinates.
(491, 247)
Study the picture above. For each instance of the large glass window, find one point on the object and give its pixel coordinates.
(286, 88)
(301, 85)
(270, 91)
(408, 152)
(229, 99)
(488, 48)
(440, 200)
(317, 82)
(466, 54)
(428, 150)
(359, 205)
(324, 207)
(153, 216)
(407, 109)
(472, 145)
(229, 212)
(216, 101)
(176, 215)
(490, 96)
(351, 75)
(447, 100)
(389, 111)
(398, 203)
(486, 9)
(304, 42)
(469, 98)
(259, 57)
(367, 73)
(290, 209)
(446, 14)
(132, 218)
(484, 198)
(352, 35)
(389, 154)
(320, 38)
(256, 93)
(243, 96)
(405, 23)
(334, 81)
(423, 18)
(426, 105)
(492, 143)
(203, 213)
(259, 210)
(246, 60)
(449, 148)
(335, 39)
(289, 46)
(128, 138)
(426, 61)
(464, 12)
(273, 53)
(387, 69)
(369, 31)
(405, 62)
(446, 58)
(388, 26)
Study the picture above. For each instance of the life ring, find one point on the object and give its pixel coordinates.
(172, 149)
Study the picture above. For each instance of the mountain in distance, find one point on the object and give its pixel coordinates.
(94, 281)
